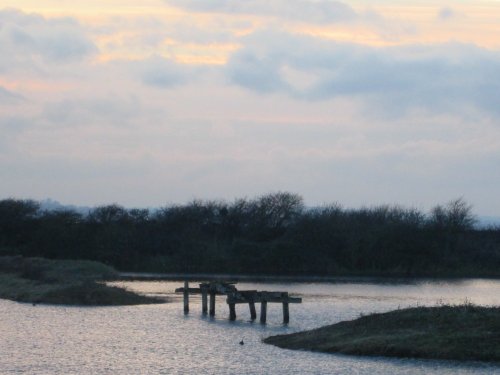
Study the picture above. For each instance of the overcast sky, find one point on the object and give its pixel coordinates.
(357, 102)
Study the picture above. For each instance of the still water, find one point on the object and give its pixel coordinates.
(160, 339)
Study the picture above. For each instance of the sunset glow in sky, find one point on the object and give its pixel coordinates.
(358, 102)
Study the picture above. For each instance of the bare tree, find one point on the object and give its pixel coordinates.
(455, 215)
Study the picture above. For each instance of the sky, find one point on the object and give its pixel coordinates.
(356, 102)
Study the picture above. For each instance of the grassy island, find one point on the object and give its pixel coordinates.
(464, 332)
(68, 282)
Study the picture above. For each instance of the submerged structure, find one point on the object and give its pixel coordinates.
(234, 296)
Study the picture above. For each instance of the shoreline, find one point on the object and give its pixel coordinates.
(152, 276)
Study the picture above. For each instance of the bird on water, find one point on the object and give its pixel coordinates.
(242, 343)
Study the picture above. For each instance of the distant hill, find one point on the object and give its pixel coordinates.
(488, 221)
(52, 205)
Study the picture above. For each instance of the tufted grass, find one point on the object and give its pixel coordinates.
(462, 332)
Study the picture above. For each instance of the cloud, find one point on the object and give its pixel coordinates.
(88, 112)
(442, 77)
(286, 112)
(256, 71)
(160, 72)
(9, 97)
(90, 144)
(187, 32)
(446, 13)
(27, 38)
(12, 127)
(319, 11)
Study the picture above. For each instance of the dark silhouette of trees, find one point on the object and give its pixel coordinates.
(18, 219)
(270, 234)
(269, 216)
(60, 234)
(455, 216)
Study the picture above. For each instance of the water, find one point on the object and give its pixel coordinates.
(160, 339)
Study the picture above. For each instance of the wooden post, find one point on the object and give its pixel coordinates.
(232, 311)
(263, 311)
(204, 300)
(253, 313)
(212, 303)
(286, 313)
(186, 297)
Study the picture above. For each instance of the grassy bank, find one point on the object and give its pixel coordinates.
(68, 282)
(463, 332)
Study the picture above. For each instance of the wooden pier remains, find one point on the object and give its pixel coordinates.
(209, 291)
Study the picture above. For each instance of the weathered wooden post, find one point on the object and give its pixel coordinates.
(232, 311)
(186, 297)
(212, 303)
(286, 311)
(234, 297)
(263, 311)
(204, 299)
(253, 313)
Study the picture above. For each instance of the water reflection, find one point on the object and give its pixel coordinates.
(160, 339)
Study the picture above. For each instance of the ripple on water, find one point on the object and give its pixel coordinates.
(159, 339)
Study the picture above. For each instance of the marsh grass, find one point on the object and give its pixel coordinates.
(460, 332)
(69, 282)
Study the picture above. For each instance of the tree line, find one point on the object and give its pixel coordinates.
(272, 234)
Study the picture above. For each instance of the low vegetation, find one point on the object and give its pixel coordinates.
(465, 332)
(68, 282)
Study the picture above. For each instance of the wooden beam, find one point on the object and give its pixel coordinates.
(223, 288)
(272, 297)
(190, 290)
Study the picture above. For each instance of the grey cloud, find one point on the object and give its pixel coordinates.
(320, 11)
(97, 111)
(9, 97)
(160, 72)
(10, 128)
(256, 72)
(308, 11)
(439, 78)
(445, 13)
(26, 38)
